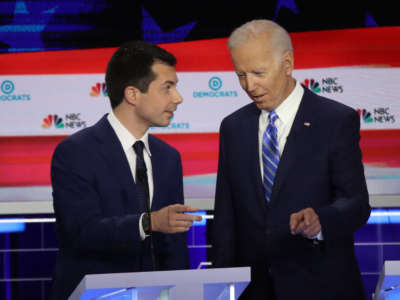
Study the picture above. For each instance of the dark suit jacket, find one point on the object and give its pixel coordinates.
(321, 168)
(97, 213)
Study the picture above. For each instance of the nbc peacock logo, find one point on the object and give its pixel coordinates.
(312, 85)
(365, 115)
(52, 120)
(98, 89)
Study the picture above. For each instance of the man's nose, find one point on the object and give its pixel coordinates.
(250, 84)
(178, 98)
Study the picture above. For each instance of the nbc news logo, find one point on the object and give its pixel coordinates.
(365, 115)
(378, 115)
(52, 120)
(330, 85)
(69, 121)
(98, 89)
(312, 85)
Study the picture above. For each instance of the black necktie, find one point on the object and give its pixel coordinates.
(142, 187)
(141, 177)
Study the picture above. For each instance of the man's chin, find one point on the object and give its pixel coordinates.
(161, 124)
(164, 124)
(263, 105)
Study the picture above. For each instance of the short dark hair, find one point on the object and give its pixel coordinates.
(131, 65)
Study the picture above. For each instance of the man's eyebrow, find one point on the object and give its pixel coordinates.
(170, 82)
(261, 69)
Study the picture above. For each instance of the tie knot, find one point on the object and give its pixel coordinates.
(272, 117)
(138, 146)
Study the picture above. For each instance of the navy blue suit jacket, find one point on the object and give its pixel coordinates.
(321, 168)
(97, 213)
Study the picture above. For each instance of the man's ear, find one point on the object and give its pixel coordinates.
(288, 62)
(130, 94)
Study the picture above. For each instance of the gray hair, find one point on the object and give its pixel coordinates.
(278, 36)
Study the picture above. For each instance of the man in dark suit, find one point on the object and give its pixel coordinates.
(118, 191)
(291, 188)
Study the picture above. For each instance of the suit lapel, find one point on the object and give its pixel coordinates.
(295, 143)
(156, 164)
(114, 156)
(250, 139)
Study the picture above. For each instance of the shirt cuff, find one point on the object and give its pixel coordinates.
(318, 236)
(141, 231)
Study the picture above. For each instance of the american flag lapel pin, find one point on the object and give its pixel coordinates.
(307, 124)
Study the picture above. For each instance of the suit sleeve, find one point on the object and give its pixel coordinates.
(174, 251)
(350, 209)
(77, 205)
(223, 232)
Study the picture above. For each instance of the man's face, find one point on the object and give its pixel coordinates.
(264, 75)
(156, 107)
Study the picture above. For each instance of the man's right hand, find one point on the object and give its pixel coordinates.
(172, 218)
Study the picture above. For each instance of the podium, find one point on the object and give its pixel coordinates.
(201, 284)
(388, 287)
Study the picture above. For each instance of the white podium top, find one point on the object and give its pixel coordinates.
(389, 279)
(184, 284)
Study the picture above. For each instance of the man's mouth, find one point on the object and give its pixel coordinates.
(170, 112)
(257, 98)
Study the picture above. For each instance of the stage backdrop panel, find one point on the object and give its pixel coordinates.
(46, 96)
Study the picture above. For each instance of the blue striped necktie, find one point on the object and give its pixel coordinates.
(270, 154)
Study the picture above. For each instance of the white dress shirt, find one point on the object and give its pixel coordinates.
(286, 112)
(127, 141)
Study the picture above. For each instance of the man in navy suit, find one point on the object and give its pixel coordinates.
(291, 189)
(118, 191)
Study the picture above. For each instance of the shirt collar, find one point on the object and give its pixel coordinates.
(126, 138)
